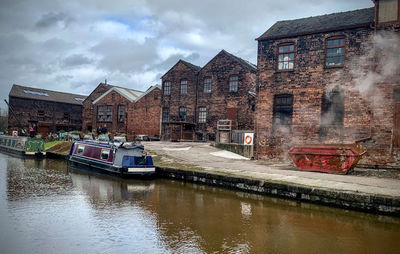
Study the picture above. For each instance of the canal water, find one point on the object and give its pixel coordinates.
(46, 207)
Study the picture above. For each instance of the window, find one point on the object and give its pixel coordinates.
(334, 52)
(184, 84)
(40, 113)
(167, 88)
(104, 154)
(286, 57)
(80, 149)
(202, 114)
(121, 113)
(182, 114)
(233, 83)
(283, 109)
(165, 115)
(66, 116)
(207, 85)
(332, 109)
(104, 113)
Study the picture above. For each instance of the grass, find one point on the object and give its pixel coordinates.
(50, 144)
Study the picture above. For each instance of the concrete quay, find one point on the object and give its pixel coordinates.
(203, 163)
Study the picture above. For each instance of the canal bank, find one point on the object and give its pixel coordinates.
(202, 163)
(365, 190)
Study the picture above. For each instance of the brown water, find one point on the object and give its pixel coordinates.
(47, 208)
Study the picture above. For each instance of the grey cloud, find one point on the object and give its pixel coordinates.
(76, 60)
(172, 60)
(51, 18)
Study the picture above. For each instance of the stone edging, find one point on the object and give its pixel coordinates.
(343, 199)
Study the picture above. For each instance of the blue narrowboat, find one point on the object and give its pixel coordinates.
(124, 159)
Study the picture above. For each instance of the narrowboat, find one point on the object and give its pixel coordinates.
(124, 159)
(22, 146)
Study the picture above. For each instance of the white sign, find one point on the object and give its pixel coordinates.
(248, 139)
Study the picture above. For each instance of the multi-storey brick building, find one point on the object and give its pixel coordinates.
(195, 99)
(47, 111)
(324, 80)
(144, 116)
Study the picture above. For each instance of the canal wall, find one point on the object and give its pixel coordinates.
(325, 196)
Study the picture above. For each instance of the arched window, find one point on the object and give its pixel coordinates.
(334, 51)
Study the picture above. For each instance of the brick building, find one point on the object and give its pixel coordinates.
(110, 109)
(325, 79)
(144, 116)
(195, 99)
(89, 112)
(47, 111)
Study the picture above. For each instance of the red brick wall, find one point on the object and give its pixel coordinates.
(144, 115)
(89, 111)
(367, 111)
(112, 99)
(220, 69)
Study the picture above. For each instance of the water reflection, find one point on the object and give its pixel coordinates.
(46, 207)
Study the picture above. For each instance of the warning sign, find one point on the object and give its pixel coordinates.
(248, 139)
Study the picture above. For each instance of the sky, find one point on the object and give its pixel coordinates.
(72, 46)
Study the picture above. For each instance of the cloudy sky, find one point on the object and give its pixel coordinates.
(74, 45)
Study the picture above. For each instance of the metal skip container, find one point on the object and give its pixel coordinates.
(333, 159)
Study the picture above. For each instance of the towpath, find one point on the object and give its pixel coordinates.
(204, 157)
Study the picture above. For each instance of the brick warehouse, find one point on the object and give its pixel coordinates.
(123, 110)
(195, 99)
(325, 79)
(48, 111)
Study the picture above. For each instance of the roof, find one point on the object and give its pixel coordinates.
(129, 94)
(105, 85)
(151, 88)
(45, 95)
(193, 67)
(323, 23)
(239, 60)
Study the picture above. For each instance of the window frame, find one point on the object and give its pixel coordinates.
(332, 38)
(183, 83)
(105, 151)
(108, 118)
(123, 114)
(275, 105)
(208, 84)
(167, 87)
(233, 83)
(165, 115)
(278, 53)
(202, 117)
(182, 114)
(326, 105)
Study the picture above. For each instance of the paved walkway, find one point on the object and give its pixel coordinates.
(207, 158)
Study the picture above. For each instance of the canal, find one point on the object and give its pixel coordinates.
(46, 207)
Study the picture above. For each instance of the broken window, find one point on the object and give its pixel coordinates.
(332, 110)
(286, 56)
(167, 88)
(202, 114)
(182, 114)
(184, 84)
(283, 109)
(121, 113)
(104, 113)
(165, 115)
(207, 85)
(335, 51)
(233, 83)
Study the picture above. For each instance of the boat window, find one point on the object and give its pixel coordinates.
(104, 154)
(140, 160)
(80, 149)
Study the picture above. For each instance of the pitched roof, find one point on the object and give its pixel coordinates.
(244, 63)
(328, 22)
(45, 95)
(129, 94)
(151, 88)
(193, 67)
